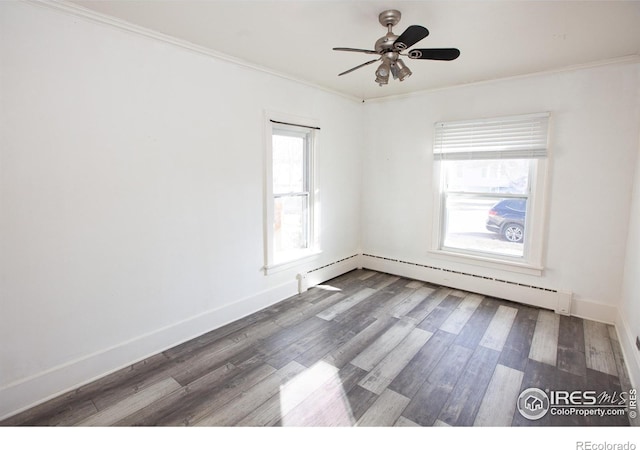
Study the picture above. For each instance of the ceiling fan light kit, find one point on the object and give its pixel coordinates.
(390, 48)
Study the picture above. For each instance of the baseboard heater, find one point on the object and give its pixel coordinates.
(556, 300)
(553, 299)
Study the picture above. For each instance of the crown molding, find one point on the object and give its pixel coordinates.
(76, 10)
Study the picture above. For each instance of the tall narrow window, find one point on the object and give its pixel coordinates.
(290, 193)
(491, 176)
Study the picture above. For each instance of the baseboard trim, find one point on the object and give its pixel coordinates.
(630, 353)
(598, 312)
(34, 390)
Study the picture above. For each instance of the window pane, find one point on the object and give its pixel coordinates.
(288, 164)
(485, 224)
(290, 225)
(509, 176)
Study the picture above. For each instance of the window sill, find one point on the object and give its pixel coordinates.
(489, 263)
(290, 263)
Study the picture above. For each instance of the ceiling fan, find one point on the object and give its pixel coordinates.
(391, 46)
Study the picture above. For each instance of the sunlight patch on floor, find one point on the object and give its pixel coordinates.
(326, 287)
(315, 398)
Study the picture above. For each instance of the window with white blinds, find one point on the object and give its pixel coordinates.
(492, 174)
(516, 137)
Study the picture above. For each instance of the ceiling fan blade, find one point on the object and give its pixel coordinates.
(357, 67)
(411, 36)
(347, 49)
(441, 54)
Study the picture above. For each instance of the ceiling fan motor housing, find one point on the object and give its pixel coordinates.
(385, 43)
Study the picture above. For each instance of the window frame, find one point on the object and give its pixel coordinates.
(295, 126)
(531, 263)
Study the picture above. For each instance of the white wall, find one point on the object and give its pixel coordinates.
(131, 190)
(629, 314)
(594, 146)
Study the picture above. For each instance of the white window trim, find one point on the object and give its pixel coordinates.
(313, 250)
(532, 261)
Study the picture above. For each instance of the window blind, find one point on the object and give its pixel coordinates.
(498, 138)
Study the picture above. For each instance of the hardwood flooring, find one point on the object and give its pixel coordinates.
(371, 350)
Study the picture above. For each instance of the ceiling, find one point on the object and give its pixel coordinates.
(497, 39)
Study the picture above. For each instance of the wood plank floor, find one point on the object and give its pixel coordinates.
(364, 349)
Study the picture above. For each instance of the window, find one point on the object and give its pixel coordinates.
(290, 196)
(491, 177)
